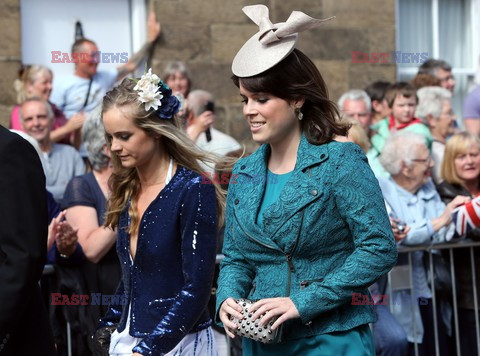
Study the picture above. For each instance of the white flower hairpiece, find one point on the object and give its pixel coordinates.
(149, 90)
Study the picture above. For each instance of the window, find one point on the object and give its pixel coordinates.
(49, 25)
(446, 30)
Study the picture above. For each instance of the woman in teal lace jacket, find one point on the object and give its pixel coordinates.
(306, 231)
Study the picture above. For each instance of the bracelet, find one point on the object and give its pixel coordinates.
(64, 256)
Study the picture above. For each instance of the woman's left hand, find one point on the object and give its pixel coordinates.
(281, 307)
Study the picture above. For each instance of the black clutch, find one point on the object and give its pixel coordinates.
(101, 340)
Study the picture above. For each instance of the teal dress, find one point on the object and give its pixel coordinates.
(355, 342)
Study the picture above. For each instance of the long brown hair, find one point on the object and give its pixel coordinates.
(297, 77)
(124, 182)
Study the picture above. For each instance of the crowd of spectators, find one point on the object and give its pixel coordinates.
(428, 168)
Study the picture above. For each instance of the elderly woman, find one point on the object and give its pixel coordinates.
(435, 109)
(85, 204)
(461, 174)
(36, 80)
(411, 197)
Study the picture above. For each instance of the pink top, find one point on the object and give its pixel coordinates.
(59, 120)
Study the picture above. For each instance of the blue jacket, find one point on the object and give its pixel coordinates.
(416, 210)
(327, 236)
(170, 282)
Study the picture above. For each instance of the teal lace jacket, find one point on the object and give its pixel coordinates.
(327, 237)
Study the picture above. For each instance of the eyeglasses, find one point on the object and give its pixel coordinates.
(447, 78)
(425, 161)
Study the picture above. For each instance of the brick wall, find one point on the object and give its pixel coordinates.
(207, 34)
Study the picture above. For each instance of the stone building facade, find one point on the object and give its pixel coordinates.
(207, 34)
(10, 56)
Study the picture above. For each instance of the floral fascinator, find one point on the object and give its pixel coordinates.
(157, 95)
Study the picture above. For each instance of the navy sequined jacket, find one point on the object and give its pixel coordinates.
(169, 283)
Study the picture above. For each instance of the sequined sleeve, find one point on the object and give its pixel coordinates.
(198, 228)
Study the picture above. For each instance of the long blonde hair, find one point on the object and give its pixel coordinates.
(456, 145)
(124, 182)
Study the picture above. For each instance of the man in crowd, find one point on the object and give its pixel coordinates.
(84, 90)
(440, 69)
(471, 112)
(61, 162)
(200, 120)
(356, 105)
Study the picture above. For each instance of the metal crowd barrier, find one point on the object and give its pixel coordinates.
(397, 281)
(396, 277)
(50, 269)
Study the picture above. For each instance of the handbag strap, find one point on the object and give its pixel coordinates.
(88, 93)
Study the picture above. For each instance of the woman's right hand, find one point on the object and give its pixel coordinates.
(399, 233)
(446, 217)
(200, 124)
(230, 307)
(76, 121)
(455, 203)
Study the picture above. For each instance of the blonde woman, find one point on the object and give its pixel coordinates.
(461, 174)
(36, 80)
(166, 221)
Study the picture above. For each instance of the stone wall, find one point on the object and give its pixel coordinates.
(207, 34)
(210, 33)
(10, 55)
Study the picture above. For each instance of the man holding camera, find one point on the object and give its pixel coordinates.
(200, 120)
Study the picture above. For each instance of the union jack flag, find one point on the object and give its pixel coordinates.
(467, 217)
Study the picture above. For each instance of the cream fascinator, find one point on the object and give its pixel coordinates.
(272, 43)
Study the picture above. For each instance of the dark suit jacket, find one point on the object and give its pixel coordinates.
(24, 328)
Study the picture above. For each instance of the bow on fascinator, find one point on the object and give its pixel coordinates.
(296, 22)
(272, 43)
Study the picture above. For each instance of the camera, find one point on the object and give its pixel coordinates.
(401, 226)
(209, 106)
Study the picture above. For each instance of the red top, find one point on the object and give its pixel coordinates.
(391, 123)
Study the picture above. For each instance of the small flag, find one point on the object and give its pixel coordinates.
(467, 217)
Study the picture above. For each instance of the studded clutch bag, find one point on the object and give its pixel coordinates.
(247, 327)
